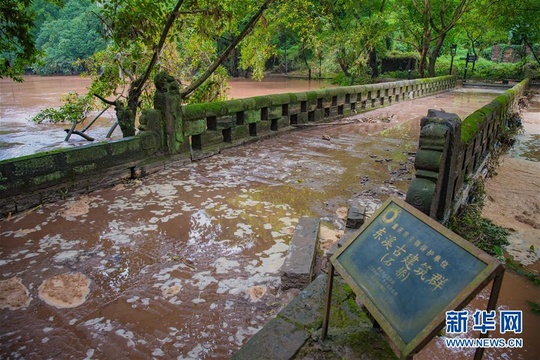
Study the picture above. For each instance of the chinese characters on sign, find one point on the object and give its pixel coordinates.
(406, 257)
(409, 270)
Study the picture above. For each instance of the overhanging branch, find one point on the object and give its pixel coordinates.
(247, 29)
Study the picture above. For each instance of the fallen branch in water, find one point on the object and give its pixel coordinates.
(326, 124)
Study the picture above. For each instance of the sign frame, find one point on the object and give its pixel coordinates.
(406, 349)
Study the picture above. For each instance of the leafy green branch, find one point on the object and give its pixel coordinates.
(74, 109)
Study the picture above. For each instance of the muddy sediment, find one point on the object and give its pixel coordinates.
(185, 263)
(13, 294)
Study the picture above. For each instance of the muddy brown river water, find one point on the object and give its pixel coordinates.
(185, 263)
(20, 101)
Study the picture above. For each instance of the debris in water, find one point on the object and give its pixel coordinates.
(13, 294)
(67, 290)
(342, 212)
(256, 292)
(171, 291)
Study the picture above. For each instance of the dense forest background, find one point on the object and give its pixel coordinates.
(333, 39)
(200, 43)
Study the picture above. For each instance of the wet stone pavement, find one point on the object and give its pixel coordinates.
(185, 263)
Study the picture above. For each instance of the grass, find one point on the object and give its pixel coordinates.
(470, 224)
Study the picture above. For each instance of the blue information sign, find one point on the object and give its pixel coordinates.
(409, 269)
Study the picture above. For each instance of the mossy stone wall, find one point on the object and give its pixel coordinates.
(275, 113)
(192, 131)
(450, 151)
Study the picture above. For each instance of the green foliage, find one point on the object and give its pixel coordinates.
(518, 269)
(213, 89)
(71, 34)
(485, 69)
(17, 48)
(342, 80)
(480, 231)
(395, 54)
(535, 307)
(75, 109)
(425, 26)
(400, 74)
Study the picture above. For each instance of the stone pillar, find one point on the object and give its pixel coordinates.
(152, 133)
(167, 100)
(436, 164)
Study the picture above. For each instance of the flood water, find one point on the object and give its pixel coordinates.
(185, 263)
(20, 101)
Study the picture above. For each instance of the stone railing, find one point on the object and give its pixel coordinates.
(171, 132)
(451, 151)
(214, 126)
(45, 177)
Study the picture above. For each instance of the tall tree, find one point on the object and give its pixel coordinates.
(150, 29)
(17, 42)
(520, 21)
(17, 46)
(425, 25)
(70, 34)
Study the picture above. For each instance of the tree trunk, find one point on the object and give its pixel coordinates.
(304, 57)
(372, 62)
(422, 63)
(532, 50)
(126, 116)
(343, 65)
(435, 54)
(234, 63)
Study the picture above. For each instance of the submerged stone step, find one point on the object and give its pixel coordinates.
(278, 340)
(297, 271)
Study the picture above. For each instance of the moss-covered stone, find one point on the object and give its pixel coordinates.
(252, 116)
(240, 132)
(226, 122)
(150, 142)
(84, 169)
(262, 101)
(279, 99)
(249, 104)
(312, 96)
(211, 138)
(124, 145)
(294, 108)
(301, 96)
(194, 127)
(319, 115)
(85, 154)
(233, 106)
(284, 122)
(198, 111)
(35, 164)
(275, 112)
(263, 127)
(51, 178)
(302, 118)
